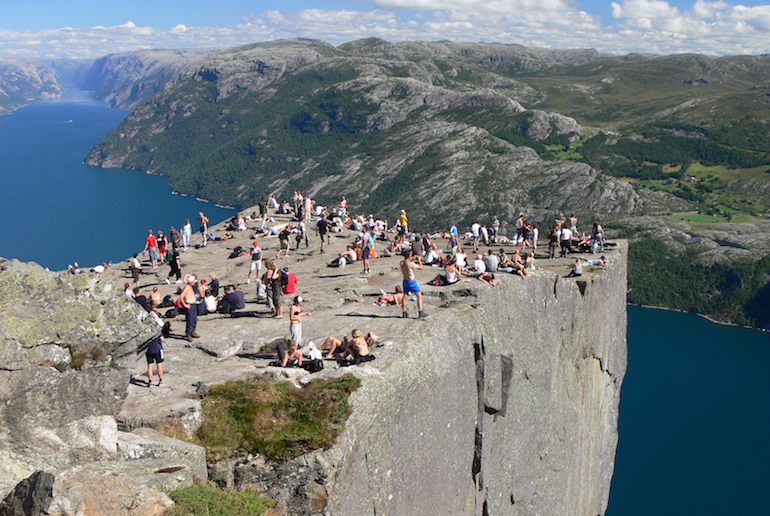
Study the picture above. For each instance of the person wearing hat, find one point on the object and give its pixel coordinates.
(256, 261)
(295, 320)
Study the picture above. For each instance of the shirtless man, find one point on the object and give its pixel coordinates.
(410, 285)
(203, 221)
(358, 346)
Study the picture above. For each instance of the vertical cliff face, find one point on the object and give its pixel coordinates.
(507, 404)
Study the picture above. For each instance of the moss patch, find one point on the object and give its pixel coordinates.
(205, 500)
(275, 419)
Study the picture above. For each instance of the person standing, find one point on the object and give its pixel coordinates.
(597, 238)
(495, 229)
(566, 241)
(189, 302)
(553, 241)
(295, 320)
(368, 245)
(256, 261)
(154, 355)
(403, 222)
(162, 244)
(175, 267)
(275, 289)
(263, 211)
(151, 246)
(203, 222)
(176, 237)
(410, 285)
(323, 230)
(186, 234)
(135, 267)
(476, 234)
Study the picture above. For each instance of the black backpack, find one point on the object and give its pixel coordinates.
(171, 313)
(284, 279)
(313, 366)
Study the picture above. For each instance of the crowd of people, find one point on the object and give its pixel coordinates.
(478, 253)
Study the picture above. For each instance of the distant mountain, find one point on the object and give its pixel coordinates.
(388, 125)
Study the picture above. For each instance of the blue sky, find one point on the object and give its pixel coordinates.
(87, 28)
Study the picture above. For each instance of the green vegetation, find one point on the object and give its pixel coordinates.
(730, 291)
(203, 500)
(277, 420)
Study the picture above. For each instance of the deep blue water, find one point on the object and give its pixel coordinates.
(56, 210)
(694, 419)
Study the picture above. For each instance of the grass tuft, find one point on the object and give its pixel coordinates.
(275, 419)
(201, 499)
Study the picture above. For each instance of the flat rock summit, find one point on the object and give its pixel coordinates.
(503, 400)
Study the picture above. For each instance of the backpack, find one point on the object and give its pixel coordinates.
(238, 251)
(171, 313)
(313, 366)
(284, 279)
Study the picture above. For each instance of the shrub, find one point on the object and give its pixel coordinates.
(202, 499)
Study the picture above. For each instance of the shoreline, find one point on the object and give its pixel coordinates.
(703, 316)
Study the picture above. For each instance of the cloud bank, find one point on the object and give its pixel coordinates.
(649, 26)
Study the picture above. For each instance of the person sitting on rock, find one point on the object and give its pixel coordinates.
(155, 299)
(345, 258)
(336, 346)
(577, 269)
(518, 264)
(451, 276)
(357, 349)
(292, 357)
(232, 301)
(141, 299)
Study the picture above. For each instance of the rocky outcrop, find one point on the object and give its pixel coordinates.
(541, 125)
(68, 346)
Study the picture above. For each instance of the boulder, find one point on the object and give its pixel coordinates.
(31, 497)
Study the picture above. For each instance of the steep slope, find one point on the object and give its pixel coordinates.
(125, 80)
(385, 124)
(23, 82)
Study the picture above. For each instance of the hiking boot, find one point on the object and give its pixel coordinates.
(422, 315)
(188, 338)
(160, 382)
(195, 335)
(404, 315)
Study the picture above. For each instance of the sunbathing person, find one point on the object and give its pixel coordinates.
(595, 262)
(337, 346)
(346, 257)
(391, 299)
(488, 278)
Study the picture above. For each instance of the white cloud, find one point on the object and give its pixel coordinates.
(653, 26)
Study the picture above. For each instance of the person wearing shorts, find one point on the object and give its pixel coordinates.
(256, 261)
(410, 284)
(154, 355)
(203, 220)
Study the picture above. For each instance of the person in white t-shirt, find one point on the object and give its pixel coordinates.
(566, 241)
(475, 234)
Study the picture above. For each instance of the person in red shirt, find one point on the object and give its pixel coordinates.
(151, 245)
(291, 282)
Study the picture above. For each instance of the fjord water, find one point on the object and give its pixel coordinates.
(694, 419)
(56, 210)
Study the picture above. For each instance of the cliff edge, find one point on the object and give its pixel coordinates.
(507, 404)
